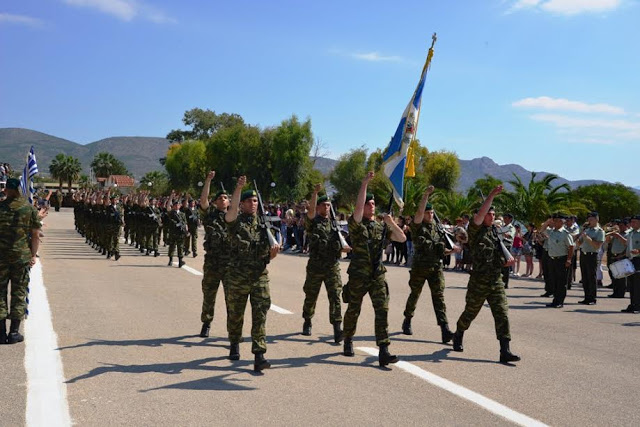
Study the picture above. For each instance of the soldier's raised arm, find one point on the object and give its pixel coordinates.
(362, 196)
(478, 218)
(204, 196)
(311, 213)
(232, 213)
(419, 216)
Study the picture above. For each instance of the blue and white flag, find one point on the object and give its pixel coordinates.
(394, 158)
(26, 180)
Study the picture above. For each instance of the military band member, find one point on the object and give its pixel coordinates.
(429, 249)
(589, 242)
(323, 266)
(616, 243)
(574, 229)
(560, 249)
(216, 250)
(485, 282)
(247, 276)
(506, 233)
(366, 272)
(633, 253)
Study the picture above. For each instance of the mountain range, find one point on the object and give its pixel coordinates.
(142, 154)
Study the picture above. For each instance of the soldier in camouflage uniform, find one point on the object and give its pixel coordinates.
(366, 272)
(153, 222)
(485, 283)
(247, 275)
(193, 222)
(429, 247)
(323, 265)
(19, 241)
(112, 228)
(216, 248)
(177, 228)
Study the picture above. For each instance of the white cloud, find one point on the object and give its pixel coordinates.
(548, 103)
(20, 20)
(125, 10)
(375, 57)
(567, 7)
(609, 131)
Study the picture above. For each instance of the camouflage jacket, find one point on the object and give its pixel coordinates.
(485, 251)
(366, 242)
(216, 236)
(17, 220)
(249, 245)
(428, 245)
(324, 245)
(177, 225)
(193, 218)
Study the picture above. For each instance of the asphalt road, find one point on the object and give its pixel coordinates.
(127, 335)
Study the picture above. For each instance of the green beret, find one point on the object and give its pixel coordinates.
(322, 199)
(429, 207)
(247, 194)
(369, 197)
(13, 184)
(220, 193)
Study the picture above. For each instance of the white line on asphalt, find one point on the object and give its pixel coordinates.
(273, 306)
(46, 390)
(465, 393)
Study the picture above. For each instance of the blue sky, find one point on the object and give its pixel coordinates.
(551, 85)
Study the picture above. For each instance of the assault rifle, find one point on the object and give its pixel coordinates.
(505, 252)
(264, 220)
(448, 243)
(336, 228)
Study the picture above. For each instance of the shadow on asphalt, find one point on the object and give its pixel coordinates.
(154, 342)
(631, 324)
(584, 311)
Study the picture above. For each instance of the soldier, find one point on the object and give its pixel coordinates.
(247, 275)
(616, 242)
(560, 249)
(113, 224)
(366, 272)
(323, 266)
(633, 253)
(429, 249)
(506, 233)
(19, 241)
(574, 229)
(589, 242)
(58, 202)
(193, 222)
(153, 221)
(177, 230)
(485, 282)
(216, 250)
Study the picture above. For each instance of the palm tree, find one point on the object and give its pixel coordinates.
(65, 168)
(56, 168)
(451, 205)
(105, 164)
(72, 169)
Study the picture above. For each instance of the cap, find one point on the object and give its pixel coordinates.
(508, 215)
(593, 214)
(220, 193)
(559, 215)
(247, 194)
(13, 184)
(370, 196)
(429, 207)
(322, 199)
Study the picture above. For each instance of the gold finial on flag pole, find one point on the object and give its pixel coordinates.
(433, 40)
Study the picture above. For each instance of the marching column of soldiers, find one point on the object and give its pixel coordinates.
(238, 247)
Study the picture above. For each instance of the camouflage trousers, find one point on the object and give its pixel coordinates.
(191, 242)
(212, 276)
(330, 275)
(378, 291)
(241, 286)
(479, 290)
(435, 278)
(151, 238)
(18, 275)
(176, 242)
(112, 243)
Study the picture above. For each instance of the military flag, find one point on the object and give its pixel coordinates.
(394, 158)
(26, 180)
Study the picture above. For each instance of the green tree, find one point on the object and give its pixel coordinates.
(84, 182)
(105, 164)
(611, 201)
(156, 182)
(441, 169)
(451, 204)
(483, 186)
(186, 165)
(56, 168)
(347, 175)
(203, 123)
(65, 169)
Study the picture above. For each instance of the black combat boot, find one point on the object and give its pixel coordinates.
(14, 334)
(204, 332)
(141, 250)
(348, 347)
(3, 332)
(260, 363)
(156, 253)
(148, 252)
(170, 261)
(195, 254)
(337, 333)
(505, 353)
(406, 326)
(117, 257)
(306, 327)
(234, 352)
(108, 255)
(457, 341)
(180, 262)
(384, 357)
(447, 335)
(104, 251)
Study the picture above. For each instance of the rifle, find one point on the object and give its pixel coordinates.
(336, 229)
(505, 252)
(448, 243)
(264, 220)
(378, 259)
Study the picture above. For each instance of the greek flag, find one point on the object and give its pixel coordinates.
(394, 158)
(29, 171)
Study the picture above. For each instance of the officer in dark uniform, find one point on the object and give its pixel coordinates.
(589, 242)
(560, 248)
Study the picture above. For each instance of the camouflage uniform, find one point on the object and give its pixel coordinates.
(17, 220)
(216, 258)
(177, 230)
(113, 224)
(152, 222)
(485, 282)
(427, 265)
(248, 277)
(193, 221)
(365, 277)
(323, 265)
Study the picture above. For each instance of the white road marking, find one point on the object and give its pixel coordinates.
(198, 273)
(465, 393)
(46, 390)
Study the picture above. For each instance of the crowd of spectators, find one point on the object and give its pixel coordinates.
(5, 172)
